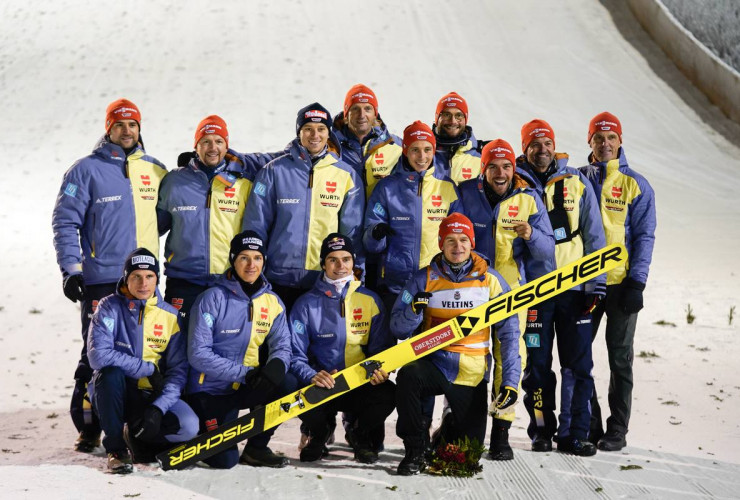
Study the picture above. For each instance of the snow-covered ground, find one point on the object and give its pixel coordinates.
(256, 63)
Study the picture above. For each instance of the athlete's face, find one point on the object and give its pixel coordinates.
(499, 174)
(141, 283)
(540, 153)
(211, 149)
(124, 133)
(248, 265)
(605, 145)
(456, 248)
(338, 264)
(314, 137)
(360, 119)
(420, 155)
(451, 122)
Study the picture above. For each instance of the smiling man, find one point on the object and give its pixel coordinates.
(201, 205)
(336, 324)
(106, 208)
(627, 204)
(456, 151)
(513, 231)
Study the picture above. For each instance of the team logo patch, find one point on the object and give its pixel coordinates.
(378, 209)
(565, 192)
(158, 330)
(617, 192)
(532, 315)
(407, 298)
(145, 180)
(532, 339)
(513, 210)
(109, 323)
(379, 158)
(467, 173)
(260, 189)
(211, 424)
(357, 313)
(298, 327)
(331, 186)
(559, 233)
(208, 318)
(71, 190)
(436, 201)
(263, 313)
(229, 192)
(177, 303)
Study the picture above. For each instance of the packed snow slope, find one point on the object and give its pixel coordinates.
(255, 64)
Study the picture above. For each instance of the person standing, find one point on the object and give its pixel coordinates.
(457, 148)
(105, 209)
(627, 204)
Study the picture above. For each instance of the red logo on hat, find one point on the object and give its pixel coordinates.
(177, 303)
(617, 192)
(263, 313)
(513, 210)
(229, 192)
(467, 173)
(357, 314)
(145, 180)
(379, 158)
(331, 186)
(158, 330)
(436, 201)
(565, 192)
(532, 315)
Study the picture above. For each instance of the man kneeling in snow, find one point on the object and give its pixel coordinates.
(138, 354)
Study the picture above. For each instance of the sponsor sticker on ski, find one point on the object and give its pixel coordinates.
(432, 340)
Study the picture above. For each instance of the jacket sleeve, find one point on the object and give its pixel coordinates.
(642, 223)
(200, 341)
(68, 217)
(175, 373)
(301, 340)
(279, 339)
(351, 215)
(507, 331)
(101, 337)
(592, 231)
(164, 218)
(541, 244)
(380, 336)
(260, 211)
(376, 213)
(456, 205)
(404, 320)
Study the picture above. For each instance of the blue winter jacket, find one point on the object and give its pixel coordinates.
(517, 260)
(627, 204)
(582, 209)
(413, 204)
(335, 330)
(203, 216)
(135, 335)
(460, 159)
(295, 204)
(105, 209)
(226, 330)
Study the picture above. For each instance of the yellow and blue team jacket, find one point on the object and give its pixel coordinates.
(413, 204)
(202, 216)
(226, 330)
(458, 158)
(105, 209)
(627, 204)
(293, 206)
(467, 362)
(375, 158)
(517, 260)
(579, 203)
(137, 335)
(332, 330)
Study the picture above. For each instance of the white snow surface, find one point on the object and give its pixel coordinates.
(255, 64)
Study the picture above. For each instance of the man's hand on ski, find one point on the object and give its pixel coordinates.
(324, 379)
(379, 376)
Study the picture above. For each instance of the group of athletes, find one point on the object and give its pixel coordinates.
(284, 268)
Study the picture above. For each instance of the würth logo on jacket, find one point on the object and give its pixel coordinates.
(617, 192)
(614, 203)
(467, 173)
(331, 186)
(158, 330)
(145, 180)
(263, 313)
(513, 210)
(565, 192)
(357, 313)
(263, 323)
(379, 158)
(228, 203)
(146, 191)
(229, 192)
(436, 201)
(329, 199)
(177, 303)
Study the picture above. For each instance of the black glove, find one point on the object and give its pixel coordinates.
(421, 301)
(382, 230)
(156, 380)
(593, 299)
(631, 300)
(268, 377)
(184, 158)
(506, 398)
(74, 287)
(150, 423)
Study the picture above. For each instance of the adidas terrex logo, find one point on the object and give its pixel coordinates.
(108, 199)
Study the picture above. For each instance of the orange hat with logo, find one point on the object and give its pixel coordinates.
(212, 124)
(604, 122)
(456, 223)
(534, 129)
(451, 100)
(360, 94)
(121, 109)
(418, 131)
(497, 149)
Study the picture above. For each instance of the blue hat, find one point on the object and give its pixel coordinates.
(141, 258)
(315, 113)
